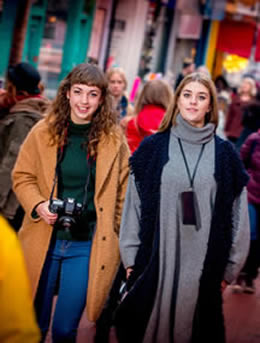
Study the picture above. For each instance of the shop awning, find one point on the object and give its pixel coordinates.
(236, 37)
(257, 46)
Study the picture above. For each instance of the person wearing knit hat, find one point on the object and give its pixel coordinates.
(25, 77)
(23, 80)
(21, 106)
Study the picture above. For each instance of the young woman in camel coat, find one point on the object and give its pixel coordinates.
(84, 92)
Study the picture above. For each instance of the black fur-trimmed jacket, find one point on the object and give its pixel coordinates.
(147, 164)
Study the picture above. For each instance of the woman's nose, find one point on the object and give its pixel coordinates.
(84, 98)
(193, 99)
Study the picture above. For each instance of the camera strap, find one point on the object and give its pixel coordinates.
(89, 164)
(191, 178)
(55, 179)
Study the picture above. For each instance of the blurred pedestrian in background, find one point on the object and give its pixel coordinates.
(203, 69)
(250, 154)
(117, 85)
(250, 120)
(150, 108)
(185, 230)
(188, 67)
(22, 105)
(224, 100)
(79, 155)
(221, 84)
(224, 94)
(17, 318)
(245, 94)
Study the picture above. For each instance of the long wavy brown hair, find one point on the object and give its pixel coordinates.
(155, 92)
(103, 121)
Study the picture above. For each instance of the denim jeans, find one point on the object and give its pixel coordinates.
(253, 211)
(250, 268)
(67, 263)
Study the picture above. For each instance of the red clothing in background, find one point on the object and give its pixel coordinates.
(233, 126)
(144, 124)
(236, 37)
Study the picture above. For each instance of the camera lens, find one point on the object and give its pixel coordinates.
(67, 222)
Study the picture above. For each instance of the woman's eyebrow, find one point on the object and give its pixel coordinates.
(189, 91)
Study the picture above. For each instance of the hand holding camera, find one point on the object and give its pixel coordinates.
(43, 211)
(68, 212)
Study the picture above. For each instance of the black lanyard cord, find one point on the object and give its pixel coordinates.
(191, 178)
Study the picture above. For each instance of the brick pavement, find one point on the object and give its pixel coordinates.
(242, 316)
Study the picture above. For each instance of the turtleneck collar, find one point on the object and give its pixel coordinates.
(78, 129)
(191, 134)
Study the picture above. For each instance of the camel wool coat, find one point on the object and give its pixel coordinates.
(33, 176)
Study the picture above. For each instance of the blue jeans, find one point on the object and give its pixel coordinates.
(250, 268)
(253, 211)
(67, 263)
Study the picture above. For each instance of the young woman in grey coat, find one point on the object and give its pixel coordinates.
(185, 231)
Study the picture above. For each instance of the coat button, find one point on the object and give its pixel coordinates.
(104, 238)
(101, 209)
(103, 267)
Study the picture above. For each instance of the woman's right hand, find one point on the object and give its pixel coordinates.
(128, 272)
(43, 211)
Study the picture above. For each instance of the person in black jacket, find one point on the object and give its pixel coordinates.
(250, 120)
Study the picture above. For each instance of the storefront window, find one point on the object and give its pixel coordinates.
(50, 57)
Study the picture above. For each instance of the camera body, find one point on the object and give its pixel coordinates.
(69, 212)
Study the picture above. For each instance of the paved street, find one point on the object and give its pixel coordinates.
(242, 315)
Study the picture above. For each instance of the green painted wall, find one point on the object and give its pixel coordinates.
(6, 33)
(79, 26)
(78, 34)
(35, 33)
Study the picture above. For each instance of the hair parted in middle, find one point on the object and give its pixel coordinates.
(117, 70)
(103, 121)
(251, 81)
(154, 92)
(173, 110)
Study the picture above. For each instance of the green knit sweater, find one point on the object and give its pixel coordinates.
(73, 171)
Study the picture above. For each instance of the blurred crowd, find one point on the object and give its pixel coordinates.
(25, 113)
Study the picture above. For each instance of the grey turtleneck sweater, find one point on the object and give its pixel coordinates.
(182, 247)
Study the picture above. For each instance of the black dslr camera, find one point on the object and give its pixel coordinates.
(68, 210)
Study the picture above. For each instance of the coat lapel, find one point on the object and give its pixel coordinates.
(107, 151)
(108, 148)
(49, 154)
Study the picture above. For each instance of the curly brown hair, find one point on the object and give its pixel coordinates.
(103, 121)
